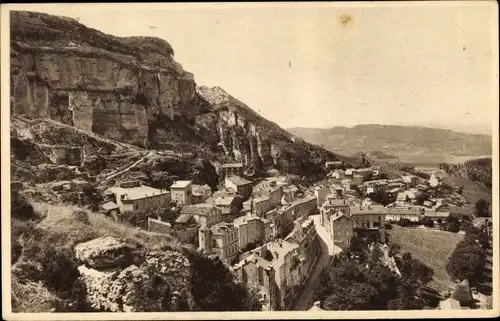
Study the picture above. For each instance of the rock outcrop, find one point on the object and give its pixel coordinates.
(114, 283)
(81, 77)
(131, 90)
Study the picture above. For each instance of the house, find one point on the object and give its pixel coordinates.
(406, 198)
(232, 169)
(259, 206)
(133, 196)
(369, 220)
(346, 184)
(252, 229)
(240, 185)
(259, 273)
(349, 173)
(200, 193)
(203, 214)
(357, 180)
(412, 213)
(333, 164)
(110, 209)
(284, 257)
(436, 215)
(410, 180)
(271, 190)
(305, 236)
(182, 192)
(339, 227)
(337, 204)
(220, 239)
(228, 204)
(304, 206)
(321, 192)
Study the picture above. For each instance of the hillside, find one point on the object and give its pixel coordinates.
(408, 143)
(131, 90)
(432, 247)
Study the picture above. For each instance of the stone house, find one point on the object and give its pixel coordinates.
(240, 185)
(339, 227)
(259, 273)
(110, 209)
(412, 213)
(221, 240)
(182, 192)
(253, 229)
(232, 169)
(200, 193)
(204, 214)
(133, 196)
(369, 220)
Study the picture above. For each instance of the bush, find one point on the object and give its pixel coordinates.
(21, 209)
(81, 216)
(427, 222)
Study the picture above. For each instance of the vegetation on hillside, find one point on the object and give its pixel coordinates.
(44, 262)
(432, 247)
(477, 170)
(467, 262)
(359, 280)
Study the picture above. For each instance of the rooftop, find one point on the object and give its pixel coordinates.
(183, 218)
(238, 180)
(221, 228)
(226, 200)
(108, 206)
(355, 210)
(139, 192)
(197, 209)
(181, 184)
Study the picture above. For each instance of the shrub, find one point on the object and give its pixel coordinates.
(21, 209)
(427, 222)
(81, 216)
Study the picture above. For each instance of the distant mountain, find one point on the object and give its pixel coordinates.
(408, 143)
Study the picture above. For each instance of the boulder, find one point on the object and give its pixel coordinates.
(116, 290)
(103, 252)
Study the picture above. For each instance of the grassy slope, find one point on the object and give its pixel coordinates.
(60, 221)
(432, 247)
(473, 191)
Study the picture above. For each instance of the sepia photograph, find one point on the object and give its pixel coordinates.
(250, 160)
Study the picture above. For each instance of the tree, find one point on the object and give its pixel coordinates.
(479, 236)
(467, 261)
(482, 208)
(91, 196)
(20, 208)
(215, 289)
(427, 222)
(452, 224)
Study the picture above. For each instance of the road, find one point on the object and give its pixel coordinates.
(327, 249)
(110, 177)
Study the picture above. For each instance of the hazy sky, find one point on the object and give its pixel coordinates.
(299, 65)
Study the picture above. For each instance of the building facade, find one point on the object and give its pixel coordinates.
(239, 185)
(221, 240)
(369, 221)
(181, 192)
(133, 196)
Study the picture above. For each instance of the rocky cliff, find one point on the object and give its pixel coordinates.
(132, 90)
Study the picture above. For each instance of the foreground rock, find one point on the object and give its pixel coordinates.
(114, 286)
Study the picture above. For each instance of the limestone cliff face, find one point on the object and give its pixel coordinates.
(243, 135)
(131, 90)
(112, 86)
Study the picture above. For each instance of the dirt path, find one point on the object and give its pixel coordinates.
(111, 176)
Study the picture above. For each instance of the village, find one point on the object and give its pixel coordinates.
(269, 230)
